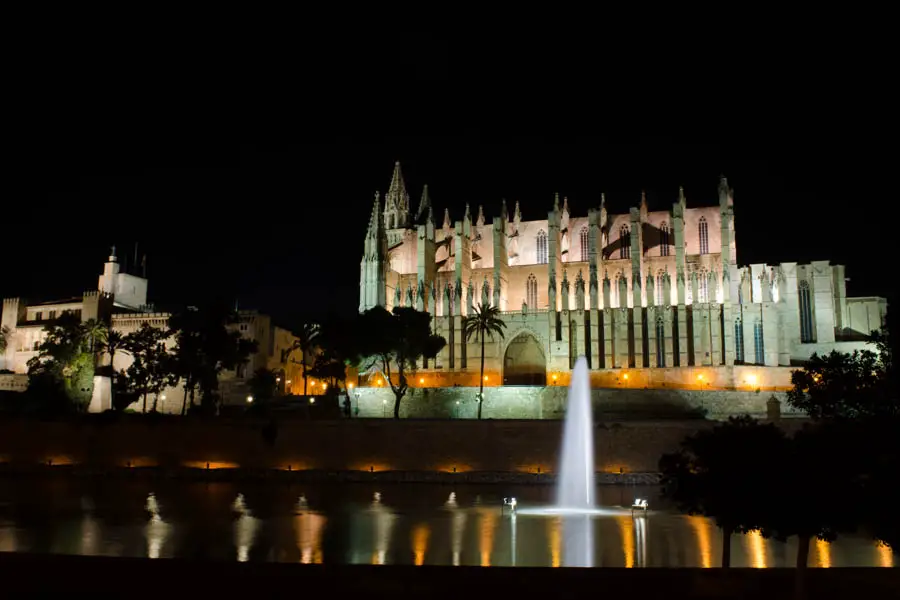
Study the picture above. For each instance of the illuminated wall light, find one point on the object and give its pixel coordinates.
(421, 380)
(752, 379)
(312, 400)
(555, 377)
(700, 377)
(625, 376)
(350, 386)
(485, 377)
(249, 399)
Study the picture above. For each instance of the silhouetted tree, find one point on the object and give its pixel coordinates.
(263, 384)
(154, 367)
(4, 338)
(396, 341)
(484, 323)
(725, 473)
(204, 347)
(814, 490)
(306, 342)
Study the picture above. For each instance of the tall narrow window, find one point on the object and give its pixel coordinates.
(531, 296)
(664, 239)
(542, 247)
(704, 236)
(758, 343)
(738, 340)
(806, 321)
(660, 289)
(704, 287)
(585, 248)
(624, 242)
(660, 343)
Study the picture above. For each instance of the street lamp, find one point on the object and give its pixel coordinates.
(249, 399)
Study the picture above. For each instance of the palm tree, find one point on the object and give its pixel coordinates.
(113, 341)
(485, 322)
(307, 340)
(92, 332)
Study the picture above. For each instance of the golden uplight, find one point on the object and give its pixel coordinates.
(350, 386)
(421, 380)
(699, 377)
(752, 379)
(485, 377)
(625, 376)
(554, 377)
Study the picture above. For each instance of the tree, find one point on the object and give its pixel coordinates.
(844, 386)
(484, 323)
(715, 474)
(396, 341)
(4, 338)
(154, 367)
(204, 347)
(65, 361)
(854, 403)
(817, 489)
(307, 341)
(112, 341)
(263, 384)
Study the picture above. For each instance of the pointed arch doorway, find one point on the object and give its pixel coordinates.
(524, 362)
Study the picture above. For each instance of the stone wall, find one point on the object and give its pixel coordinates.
(549, 402)
(465, 446)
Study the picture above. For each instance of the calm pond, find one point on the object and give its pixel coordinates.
(378, 524)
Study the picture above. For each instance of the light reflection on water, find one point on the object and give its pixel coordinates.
(384, 524)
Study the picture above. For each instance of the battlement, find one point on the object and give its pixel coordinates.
(11, 301)
(97, 294)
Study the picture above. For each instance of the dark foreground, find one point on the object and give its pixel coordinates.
(25, 576)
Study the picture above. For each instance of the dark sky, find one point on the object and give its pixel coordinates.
(253, 182)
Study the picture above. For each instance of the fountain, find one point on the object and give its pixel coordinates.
(575, 487)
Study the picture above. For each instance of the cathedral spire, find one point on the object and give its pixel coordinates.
(724, 192)
(503, 214)
(396, 201)
(681, 199)
(424, 204)
(447, 221)
(556, 202)
(565, 206)
(643, 201)
(373, 220)
(517, 215)
(480, 220)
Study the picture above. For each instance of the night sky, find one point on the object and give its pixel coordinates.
(274, 215)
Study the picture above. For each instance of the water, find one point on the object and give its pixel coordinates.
(575, 487)
(378, 524)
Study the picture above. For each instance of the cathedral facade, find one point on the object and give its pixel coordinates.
(651, 298)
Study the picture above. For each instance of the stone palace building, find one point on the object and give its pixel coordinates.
(120, 301)
(653, 299)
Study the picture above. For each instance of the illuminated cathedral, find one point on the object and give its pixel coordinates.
(652, 298)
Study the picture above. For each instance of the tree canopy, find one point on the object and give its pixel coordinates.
(725, 473)
(394, 342)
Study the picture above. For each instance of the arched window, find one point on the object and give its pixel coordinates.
(738, 340)
(660, 343)
(624, 242)
(664, 239)
(542, 247)
(661, 289)
(585, 247)
(531, 296)
(704, 236)
(703, 288)
(758, 343)
(806, 321)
